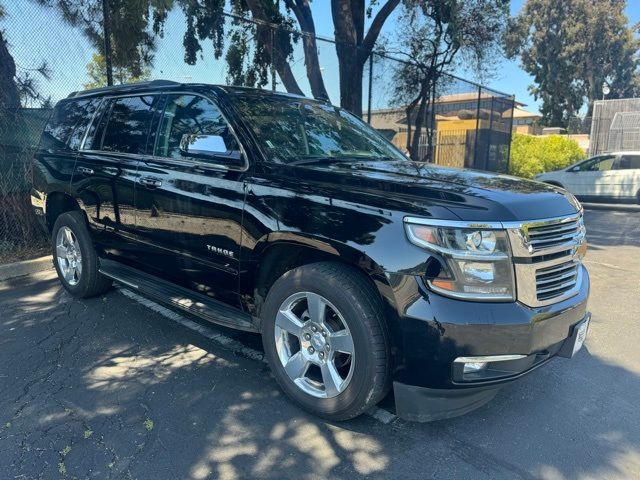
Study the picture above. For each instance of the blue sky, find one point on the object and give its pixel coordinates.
(37, 33)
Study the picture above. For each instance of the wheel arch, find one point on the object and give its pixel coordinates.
(56, 204)
(279, 252)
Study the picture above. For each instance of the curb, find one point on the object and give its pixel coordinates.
(611, 206)
(26, 267)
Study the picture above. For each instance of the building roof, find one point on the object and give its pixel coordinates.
(519, 112)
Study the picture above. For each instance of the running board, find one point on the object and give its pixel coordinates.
(177, 296)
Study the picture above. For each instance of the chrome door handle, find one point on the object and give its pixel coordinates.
(85, 170)
(150, 182)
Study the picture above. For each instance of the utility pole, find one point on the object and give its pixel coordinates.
(106, 30)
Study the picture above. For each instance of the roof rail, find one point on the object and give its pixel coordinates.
(123, 88)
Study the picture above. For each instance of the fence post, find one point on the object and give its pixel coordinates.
(513, 108)
(106, 29)
(370, 86)
(475, 143)
(273, 62)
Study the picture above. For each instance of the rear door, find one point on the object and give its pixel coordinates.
(56, 155)
(105, 172)
(628, 176)
(189, 210)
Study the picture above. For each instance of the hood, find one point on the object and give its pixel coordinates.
(471, 195)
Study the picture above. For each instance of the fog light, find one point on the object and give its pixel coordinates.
(473, 367)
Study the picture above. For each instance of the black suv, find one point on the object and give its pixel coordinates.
(274, 213)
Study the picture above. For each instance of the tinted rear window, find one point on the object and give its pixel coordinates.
(629, 162)
(128, 126)
(68, 123)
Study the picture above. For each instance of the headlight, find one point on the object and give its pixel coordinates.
(473, 263)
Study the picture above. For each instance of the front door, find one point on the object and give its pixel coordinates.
(189, 210)
(106, 170)
(592, 179)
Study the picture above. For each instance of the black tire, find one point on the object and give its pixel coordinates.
(361, 308)
(90, 282)
(638, 197)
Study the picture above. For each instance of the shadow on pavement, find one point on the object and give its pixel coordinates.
(106, 388)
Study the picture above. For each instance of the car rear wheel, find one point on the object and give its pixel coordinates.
(75, 258)
(326, 341)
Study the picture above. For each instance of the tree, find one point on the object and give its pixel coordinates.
(135, 26)
(439, 33)
(9, 94)
(17, 87)
(273, 46)
(571, 47)
(97, 72)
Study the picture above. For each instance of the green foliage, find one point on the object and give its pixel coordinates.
(531, 155)
(571, 47)
(97, 72)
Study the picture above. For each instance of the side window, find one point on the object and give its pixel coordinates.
(597, 164)
(192, 115)
(604, 164)
(75, 140)
(629, 162)
(67, 124)
(127, 128)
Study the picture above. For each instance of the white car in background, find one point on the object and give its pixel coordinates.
(607, 177)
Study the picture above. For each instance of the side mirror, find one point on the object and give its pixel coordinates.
(210, 147)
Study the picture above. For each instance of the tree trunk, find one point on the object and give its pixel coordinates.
(353, 47)
(268, 39)
(9, 95)
(351, 71)
(303, 14)
(422, 100)
(284, 70)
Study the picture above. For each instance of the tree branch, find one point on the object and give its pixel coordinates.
(376, 26)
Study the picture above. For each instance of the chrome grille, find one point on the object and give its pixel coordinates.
(547, 255)
(554, 281)
(558, 234)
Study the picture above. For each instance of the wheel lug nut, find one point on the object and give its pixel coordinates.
(324, 334)
(307, 336)
(321, 354)
(314, 328)
(311, 350)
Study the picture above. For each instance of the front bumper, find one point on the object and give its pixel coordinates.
(432, 331)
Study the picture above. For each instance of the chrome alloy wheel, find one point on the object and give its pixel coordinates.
(314, 345)
(68, 255)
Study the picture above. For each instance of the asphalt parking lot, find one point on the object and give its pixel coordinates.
(115, 388)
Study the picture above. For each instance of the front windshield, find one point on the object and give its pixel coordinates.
(295, 130)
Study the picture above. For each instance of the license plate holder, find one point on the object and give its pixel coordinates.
(573, 344)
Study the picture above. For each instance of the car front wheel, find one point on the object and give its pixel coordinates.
(326, 341)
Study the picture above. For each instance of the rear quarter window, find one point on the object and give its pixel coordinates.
(67, 124)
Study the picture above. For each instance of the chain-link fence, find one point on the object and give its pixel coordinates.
(441, 119)
(615, 126)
